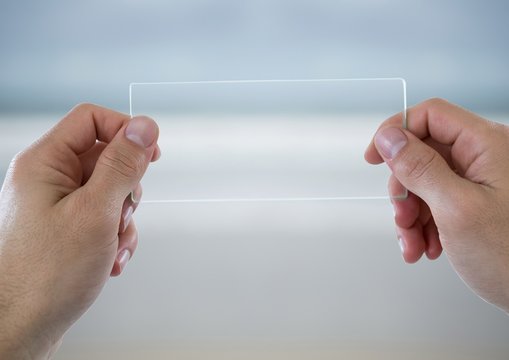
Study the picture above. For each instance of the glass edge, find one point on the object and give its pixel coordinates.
(402, 196)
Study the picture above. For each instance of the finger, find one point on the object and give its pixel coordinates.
(124, 161)
(59, 150)
(433, 244)
(424, 213)
(406, 216)
(419, 167)
(407, 211)
(127, 244)
(412, 242)
(136, 195)
(396, 190)
(442, 121)
(129, 207)
(406, 208)
(371, 154)
(85, 124)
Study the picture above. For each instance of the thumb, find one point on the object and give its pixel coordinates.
(419, 167)
(125, 159)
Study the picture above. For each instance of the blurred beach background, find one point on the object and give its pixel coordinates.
(278, 280)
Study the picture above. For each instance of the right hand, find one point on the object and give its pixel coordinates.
(455, 165)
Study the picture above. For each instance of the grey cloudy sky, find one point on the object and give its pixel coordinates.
(57, 53)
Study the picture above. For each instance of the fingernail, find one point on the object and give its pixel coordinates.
(134, 199)
(136, 194)
(127, 217)
(390, 141)
(142, 131)
(401, 244)
(123, 258)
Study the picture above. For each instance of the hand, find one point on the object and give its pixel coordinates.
(455, 166)
(65, 226)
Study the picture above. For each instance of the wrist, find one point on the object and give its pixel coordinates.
(23, 333)
(25, 340)
(19, 338)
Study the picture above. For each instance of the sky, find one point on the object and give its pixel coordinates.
(55, 54)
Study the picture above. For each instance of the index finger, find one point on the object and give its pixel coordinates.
(87, 123)
(435, 118)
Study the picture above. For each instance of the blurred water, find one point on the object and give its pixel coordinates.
(275, 280)
(264, 158)
(52, 58)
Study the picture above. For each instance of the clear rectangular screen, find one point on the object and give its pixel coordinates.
(272, 140)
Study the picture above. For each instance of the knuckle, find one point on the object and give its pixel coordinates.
(19, 159)
(436, 102)
(83, 108)
(497, 129)
(123, 162)
(435, 107)
(20, 162)
(504, 131)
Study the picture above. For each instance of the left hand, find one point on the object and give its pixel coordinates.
(65, 227)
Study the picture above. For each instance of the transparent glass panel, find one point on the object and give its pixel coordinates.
(272, 140)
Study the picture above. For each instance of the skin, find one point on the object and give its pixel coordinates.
(65, 226)
(454, 164)
(65, 205)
